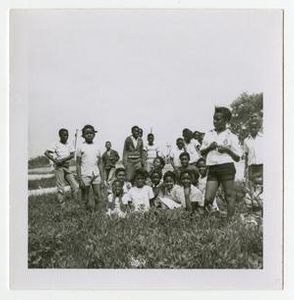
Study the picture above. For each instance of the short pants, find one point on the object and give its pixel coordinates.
(222, 172)
(255, 171)
(92, 179)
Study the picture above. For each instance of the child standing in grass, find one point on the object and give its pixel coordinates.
(151, 150)
(176, 152)
(64, 153)
(89, 167)
(187, 194)
(109, 159)
(133, 153)
(253, 149)
(140, 194)
(221, 148)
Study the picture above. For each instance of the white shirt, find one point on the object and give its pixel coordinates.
(202, 183)
(195, 196)
(139, 197)
(152, 151)
(192, 149)
(135, 141)
(89, 154)
(254, 148)
(62, 150)
(175, 155)
(225, 138)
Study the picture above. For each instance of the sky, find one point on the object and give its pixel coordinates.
(160, 70)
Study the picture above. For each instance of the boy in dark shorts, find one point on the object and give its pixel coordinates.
(221, 148)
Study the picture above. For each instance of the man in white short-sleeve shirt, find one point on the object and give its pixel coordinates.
(63, 152)
(253, 149)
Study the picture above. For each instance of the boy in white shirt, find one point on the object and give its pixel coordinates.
(187, 194)
(253, 148)
(176, 152)
(89, 167)
(64, 152)
(221, 149)
(191, 146)
(151, 150)
(140, 195)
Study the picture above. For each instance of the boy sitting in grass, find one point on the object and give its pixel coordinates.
(185, 166)
(187, 194)
(140, 194)
(89, 167)
(64, 153)
(120, 174)
(115, 205)
(167, 192)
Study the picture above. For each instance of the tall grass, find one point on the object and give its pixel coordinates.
(72, 237)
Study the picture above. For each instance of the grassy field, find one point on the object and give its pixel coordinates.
(71, 237)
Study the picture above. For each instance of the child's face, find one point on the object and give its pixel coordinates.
(140, 181)
(180, 144)
(117, 189)
(150, 139)
(187, 137)
(63, 136)
(121, 176)
(89, 135)
(169, 182)
(135, 133)
(155, 178)
(196, 135)
(184, 161)
(202, 168)
(253, 129)
(157, 163)
(219, 121)
(186, 180)
(108, 146)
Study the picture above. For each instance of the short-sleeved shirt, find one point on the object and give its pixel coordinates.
(225, 138)
(192, 148)
(254, 148)
(90, 155)
(62, 150)
(195, 196)
(202, 183)
(175, 155)
(152, 151)
(139, 197)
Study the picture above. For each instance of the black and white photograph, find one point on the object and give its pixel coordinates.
(148, 137)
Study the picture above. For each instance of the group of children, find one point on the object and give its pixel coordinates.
(199, 165)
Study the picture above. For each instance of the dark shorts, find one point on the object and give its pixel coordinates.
(223, 172)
